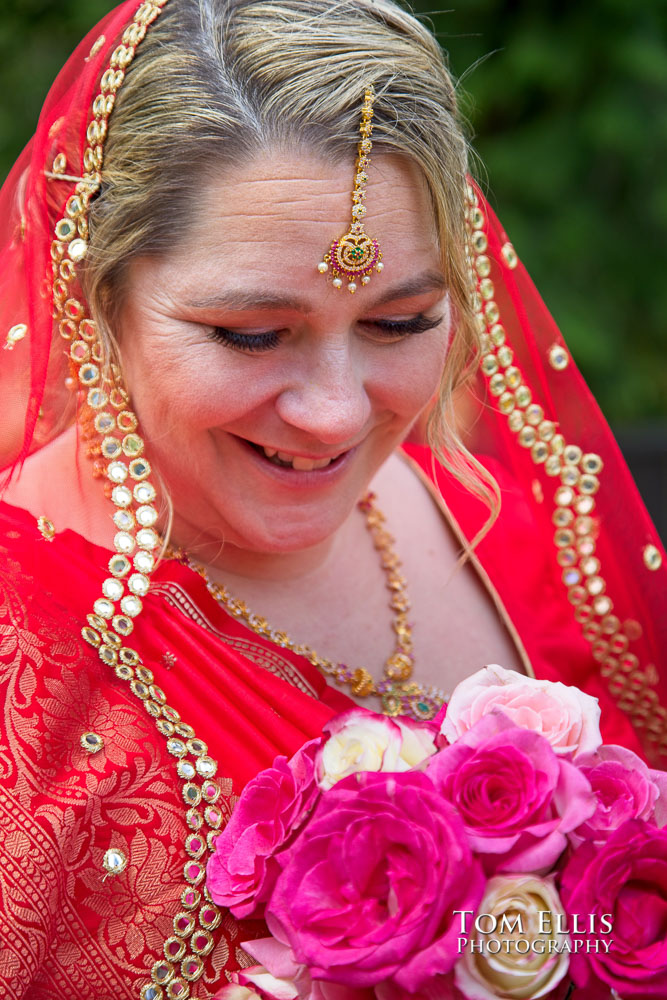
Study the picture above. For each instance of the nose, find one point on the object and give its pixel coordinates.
(326, 396)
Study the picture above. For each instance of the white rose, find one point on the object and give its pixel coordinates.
(530, 906)
(418, 743)
(565, 716)
(360, 740)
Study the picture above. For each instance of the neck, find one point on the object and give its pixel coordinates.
(227, 562)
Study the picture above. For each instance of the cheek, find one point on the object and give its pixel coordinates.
(181, 390)
(409, 377)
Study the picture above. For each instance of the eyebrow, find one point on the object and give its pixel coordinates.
(240, 300)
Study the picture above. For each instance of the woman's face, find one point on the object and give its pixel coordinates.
(269, 399)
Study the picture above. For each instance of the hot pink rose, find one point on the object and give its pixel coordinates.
(625, 788)
(440, 988)
(516, 798)
(565, 716)
(242, 870)
(368, 891)
(625, 882)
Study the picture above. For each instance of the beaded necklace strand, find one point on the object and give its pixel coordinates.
(398, 694)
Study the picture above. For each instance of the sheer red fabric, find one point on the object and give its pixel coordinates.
(573, 564)
(62, 809)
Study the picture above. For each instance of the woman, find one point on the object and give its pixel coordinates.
(187, 193)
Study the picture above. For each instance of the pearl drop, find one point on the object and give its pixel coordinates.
(365, 280)
(323, 267)
(352, 288)
(379, 266)
(337, 283)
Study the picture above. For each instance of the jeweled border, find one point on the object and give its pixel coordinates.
(631, 685)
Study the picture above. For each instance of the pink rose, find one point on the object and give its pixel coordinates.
(516, 798)
(368, 890)
(622, 883)
(625, 788)
(242, 869)
(565, 716)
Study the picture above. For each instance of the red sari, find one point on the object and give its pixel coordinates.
(62, 920)
(576, 581)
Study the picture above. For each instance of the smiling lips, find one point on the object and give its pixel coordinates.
(298, 462)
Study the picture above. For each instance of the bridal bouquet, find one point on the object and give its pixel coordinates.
(499, 851)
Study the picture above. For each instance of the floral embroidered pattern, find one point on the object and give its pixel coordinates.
(61, 809)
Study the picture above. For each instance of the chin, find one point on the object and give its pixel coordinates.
(289, 538)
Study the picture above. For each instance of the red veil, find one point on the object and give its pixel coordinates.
(573, 555)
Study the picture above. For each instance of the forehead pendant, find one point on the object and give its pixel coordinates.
(356, 255)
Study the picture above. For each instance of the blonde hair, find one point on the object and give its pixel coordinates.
(215, 81)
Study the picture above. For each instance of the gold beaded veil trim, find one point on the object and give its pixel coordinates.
(577, 478)
(117, 449)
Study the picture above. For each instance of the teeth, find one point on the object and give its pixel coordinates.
(295, 461)
(308, 464)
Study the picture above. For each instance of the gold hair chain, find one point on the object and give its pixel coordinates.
(356, 255)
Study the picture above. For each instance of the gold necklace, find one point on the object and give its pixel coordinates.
(398, 694)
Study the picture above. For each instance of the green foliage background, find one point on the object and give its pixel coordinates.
(568, 103)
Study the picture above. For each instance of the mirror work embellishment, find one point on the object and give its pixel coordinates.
(576, 477)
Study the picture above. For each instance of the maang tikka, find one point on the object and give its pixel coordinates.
(355, 255)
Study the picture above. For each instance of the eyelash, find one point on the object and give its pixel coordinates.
(248, 342)
(271, 339)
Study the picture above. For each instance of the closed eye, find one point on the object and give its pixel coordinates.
(404, 327)
(246, 341)
(389, 329)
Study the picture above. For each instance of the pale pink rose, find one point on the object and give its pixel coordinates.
(242, 870)
(518, 800)
(232, 991)
(565, 716)
(515, 902)
(625, 788)
(276, 955)
(257, 983)
(361, 740)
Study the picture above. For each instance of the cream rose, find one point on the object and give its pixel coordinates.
(565, 716)
(518, 959)
(360, 740)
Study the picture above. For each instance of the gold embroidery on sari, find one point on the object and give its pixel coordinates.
(268, 659)
(62, 808)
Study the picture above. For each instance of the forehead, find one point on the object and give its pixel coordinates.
(277, 214)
